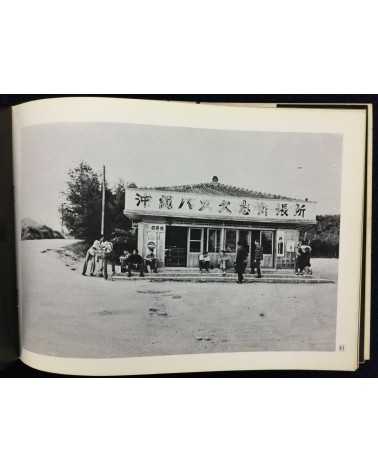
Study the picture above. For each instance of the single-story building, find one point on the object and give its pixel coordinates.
(180, 222)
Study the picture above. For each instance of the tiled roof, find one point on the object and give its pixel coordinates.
(220, 189)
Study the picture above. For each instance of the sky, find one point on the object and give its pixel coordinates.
(303, 165)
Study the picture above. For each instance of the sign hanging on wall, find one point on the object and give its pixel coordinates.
(189, 205)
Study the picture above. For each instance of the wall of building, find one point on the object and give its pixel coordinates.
(285, 247)
(283, 241)
(152, 231)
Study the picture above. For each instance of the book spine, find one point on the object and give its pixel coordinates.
(9, 326)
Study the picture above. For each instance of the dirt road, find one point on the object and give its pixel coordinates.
(66, 314)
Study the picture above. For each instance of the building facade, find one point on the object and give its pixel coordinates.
(181, 222)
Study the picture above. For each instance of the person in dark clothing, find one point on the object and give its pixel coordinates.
(299, 259)
(135, 260)
(258, 258)
(306, 258)
(240, 263)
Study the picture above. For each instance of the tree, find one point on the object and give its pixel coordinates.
(81, 214)
(115, 218)
(81, 211)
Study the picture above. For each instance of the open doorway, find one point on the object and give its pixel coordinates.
(176, 246)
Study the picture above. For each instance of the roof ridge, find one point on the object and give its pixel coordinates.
(217, 187)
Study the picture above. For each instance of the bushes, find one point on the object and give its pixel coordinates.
(324, 236)
(81, 211)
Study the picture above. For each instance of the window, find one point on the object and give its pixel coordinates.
(230, 245)
(267, 242)
(195, 240)
(214, 240)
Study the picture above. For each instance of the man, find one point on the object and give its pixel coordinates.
(258, 258)
(91, 256)
(204, 262)
(107, 250)
(135, 260)
(240, 262)
(151, 261)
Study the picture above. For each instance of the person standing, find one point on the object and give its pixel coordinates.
(91, 255)
(299, 259)
(258, 258)
(240, 262)
(107, 249)
(306, 250)
(223, 259)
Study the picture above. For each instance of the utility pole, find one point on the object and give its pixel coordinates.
(103, 202)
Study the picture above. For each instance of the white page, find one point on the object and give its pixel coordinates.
(348, 126)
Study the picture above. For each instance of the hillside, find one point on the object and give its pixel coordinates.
(30, 229)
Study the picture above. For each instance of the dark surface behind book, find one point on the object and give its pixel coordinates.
(8, 323)
(9, 336)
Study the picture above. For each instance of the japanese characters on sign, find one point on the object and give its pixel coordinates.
(180, 204)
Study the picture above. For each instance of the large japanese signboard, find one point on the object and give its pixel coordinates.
(193, 205)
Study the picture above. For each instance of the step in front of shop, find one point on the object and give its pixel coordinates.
(228, 278)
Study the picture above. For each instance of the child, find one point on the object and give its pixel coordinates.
(123, 261)
(223, 259)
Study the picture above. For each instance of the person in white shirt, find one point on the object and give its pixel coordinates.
(223, 260)
(204, 262)
(151, 261)
(106, 253)
(91, 256)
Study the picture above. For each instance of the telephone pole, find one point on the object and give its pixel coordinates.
(103, 202)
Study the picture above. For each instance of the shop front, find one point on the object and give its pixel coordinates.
(211, 218)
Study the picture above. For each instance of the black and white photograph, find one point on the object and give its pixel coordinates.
(141, 240)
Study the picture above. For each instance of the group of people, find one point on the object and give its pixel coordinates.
(103, 252)
(303, 258)
(241, 261)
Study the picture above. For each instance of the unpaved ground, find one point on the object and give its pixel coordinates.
(66, 314)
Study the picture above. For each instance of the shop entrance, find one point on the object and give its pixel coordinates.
(176, 246)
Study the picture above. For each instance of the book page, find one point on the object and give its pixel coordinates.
(368, 237)
(162, 237)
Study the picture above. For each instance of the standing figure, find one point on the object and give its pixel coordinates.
(107, 250)
(204, 262)
(240, 262)
(299, 259)
(223, 259)
(306, 250)
(91, 256)
(258, 258)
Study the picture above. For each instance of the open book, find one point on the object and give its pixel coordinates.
(159, 237)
